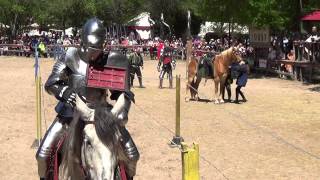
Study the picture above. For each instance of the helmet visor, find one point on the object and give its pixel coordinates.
(93, 53)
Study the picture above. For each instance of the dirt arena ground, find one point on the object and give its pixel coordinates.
(275, 135)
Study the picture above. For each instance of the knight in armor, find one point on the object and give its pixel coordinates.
(136, 61)
(168, 64)
(68, 78)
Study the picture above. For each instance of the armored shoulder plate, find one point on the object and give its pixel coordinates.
(74, 62)
(112, 74)
(117, 59)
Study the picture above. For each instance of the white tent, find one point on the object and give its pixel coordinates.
(142, 24)
(34, 25)
(34, 32)
(69, 31)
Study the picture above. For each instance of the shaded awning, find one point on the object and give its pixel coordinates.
(314, 16)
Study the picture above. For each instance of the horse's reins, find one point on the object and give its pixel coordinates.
(89, 122)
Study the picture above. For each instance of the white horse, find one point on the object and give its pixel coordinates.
(90, 149)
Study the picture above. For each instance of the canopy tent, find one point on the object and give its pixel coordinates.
(34, 32)
(142, 24)
(314, 16)
(69, 31)
(35, 25)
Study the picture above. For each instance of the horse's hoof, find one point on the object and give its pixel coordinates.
(221, 101)
(216, 102)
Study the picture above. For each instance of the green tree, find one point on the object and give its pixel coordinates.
(175, 15)
(16, 14)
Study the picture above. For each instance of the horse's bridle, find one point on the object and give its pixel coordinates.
(89, 122)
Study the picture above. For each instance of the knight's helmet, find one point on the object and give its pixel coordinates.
(167, 51)
(92, 39)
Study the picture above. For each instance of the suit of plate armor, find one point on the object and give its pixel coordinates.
(68, 78)
(168, 63)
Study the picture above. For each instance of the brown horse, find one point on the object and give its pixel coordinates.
(220, 63)
(193, 80)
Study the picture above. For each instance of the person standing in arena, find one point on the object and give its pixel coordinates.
(243, 70)
(136, 62)
(168, 64)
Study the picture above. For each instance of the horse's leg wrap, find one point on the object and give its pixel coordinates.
(228, 88)
(216, 90)
(51, 136)
(129, 152)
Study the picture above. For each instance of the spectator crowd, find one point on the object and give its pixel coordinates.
(53, 45)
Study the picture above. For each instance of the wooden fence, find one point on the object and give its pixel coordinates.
(302, 65)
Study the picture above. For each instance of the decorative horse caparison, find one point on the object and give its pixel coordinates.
(220, 66)
(90, 148)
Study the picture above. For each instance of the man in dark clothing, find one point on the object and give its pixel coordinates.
(242, 79)
(232, 74)
(136, 61)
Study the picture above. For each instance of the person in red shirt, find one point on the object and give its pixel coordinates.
(168, 63)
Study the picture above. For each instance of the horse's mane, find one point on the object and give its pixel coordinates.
(105, 126)
(227, 52)
(227, 55)
(71, 165)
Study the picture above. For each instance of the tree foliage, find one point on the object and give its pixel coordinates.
(175, 15)
(278, 14)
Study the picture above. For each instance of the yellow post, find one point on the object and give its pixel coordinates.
(37, 141)
(178, 87)
(190, 161)
(177, 139)
(38, 106)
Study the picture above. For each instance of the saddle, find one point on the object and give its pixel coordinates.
(205, 68)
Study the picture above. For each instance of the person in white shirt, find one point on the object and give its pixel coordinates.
(314, 36)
